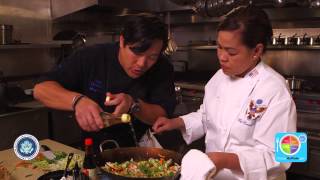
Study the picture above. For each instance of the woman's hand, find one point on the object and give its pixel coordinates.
(225, 160)
(122, 102)
(87, 114)
(164, 124)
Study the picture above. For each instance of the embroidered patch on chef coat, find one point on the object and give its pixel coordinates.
(253, 112)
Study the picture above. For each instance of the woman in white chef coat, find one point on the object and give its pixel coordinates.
(245, 104)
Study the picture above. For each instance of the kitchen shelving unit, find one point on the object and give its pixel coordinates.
(270, 47)
(51, 44)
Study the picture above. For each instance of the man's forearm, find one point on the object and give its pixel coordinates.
(53, 95)
(149, 112)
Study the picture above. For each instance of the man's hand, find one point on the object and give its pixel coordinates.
(164, 124)
(122, 102)
(87, 114)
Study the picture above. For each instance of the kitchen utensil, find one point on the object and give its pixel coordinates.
(6, 34)
(172, 46)
(70, 156)
(294, 83)
(47, 152)
(137, 154)
(278, 40)
(293, 40)
(76, 171)
(306, 40)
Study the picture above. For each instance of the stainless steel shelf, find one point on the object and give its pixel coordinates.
(213, 47)
(52, 44)
(294, 47)
(203, 47)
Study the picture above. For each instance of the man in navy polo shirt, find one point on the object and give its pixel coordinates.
(133, 73)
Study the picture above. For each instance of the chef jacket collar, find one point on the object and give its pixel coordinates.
(255, 72)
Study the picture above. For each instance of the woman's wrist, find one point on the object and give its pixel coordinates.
(179, 123)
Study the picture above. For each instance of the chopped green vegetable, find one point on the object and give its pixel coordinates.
(148, 169)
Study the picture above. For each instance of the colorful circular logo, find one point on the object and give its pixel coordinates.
(26, 147)
(289, 144)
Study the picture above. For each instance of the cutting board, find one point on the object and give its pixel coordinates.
(9, 160)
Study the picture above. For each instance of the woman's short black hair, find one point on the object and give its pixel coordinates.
(141, 30)
(252, 21)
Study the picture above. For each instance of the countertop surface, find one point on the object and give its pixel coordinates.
(30, 104)
(9, 160)
(22, 108)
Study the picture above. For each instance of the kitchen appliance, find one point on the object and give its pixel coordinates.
(6, 34)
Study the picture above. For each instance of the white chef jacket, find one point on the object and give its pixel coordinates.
(242, 116)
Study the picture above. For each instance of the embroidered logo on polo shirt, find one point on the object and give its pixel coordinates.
(96, 86)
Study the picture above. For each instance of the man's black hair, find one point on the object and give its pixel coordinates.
(141, 30)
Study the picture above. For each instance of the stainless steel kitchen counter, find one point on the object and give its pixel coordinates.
(21, 108)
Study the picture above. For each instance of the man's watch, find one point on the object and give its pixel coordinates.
(135, 106)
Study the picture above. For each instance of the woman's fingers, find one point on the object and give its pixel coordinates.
(161, 125)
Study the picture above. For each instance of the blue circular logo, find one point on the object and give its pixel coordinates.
(26, 147)
(259, 101)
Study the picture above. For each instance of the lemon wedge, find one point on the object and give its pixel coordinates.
(125, 118)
